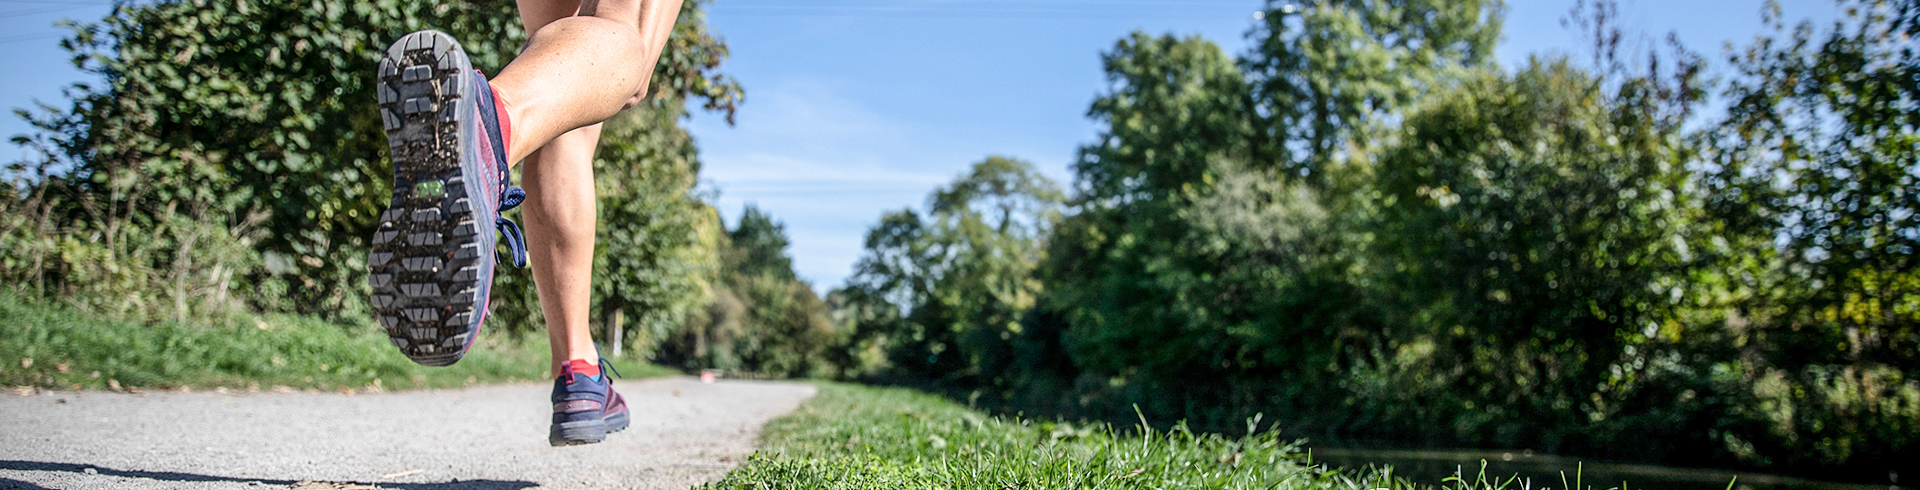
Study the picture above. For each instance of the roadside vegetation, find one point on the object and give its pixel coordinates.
(59, 348)
(853, 437)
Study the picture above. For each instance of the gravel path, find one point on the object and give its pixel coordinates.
(684, 432)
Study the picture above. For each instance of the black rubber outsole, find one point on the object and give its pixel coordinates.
(588, 432)
(431, 259)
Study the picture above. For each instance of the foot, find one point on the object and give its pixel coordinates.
(585, 407)
(433, 254)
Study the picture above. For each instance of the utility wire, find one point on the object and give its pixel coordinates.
(30, 37)
(1027, 9)
(967, 15)
(1127, 10)
(1022, 3)
(42, 10)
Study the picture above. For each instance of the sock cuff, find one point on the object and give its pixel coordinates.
(506, 123)
(583, 366)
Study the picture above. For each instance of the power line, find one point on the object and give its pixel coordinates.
(971, 15)
(42, 10)
(1014, 10)
(30, 37)
(1050, 10)
(976, 3)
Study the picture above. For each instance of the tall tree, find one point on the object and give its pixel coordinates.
(1537, 227)
(1173, 110)
(761, 318)
(1191, 270)
(762, 244)
(1323, 71)
(962, 273)
(1812, 177)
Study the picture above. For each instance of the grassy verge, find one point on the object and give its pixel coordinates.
(53, 347)
(852, 437)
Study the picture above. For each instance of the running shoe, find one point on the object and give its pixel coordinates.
(585, 407)
(434, 253)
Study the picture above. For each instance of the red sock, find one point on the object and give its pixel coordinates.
(506, 123)
(583, 366)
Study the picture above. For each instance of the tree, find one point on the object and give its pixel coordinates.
(1172, 106)
(1323, 72)
(1538, 226)
(947, 293)
(1212, 232)
(762, 245)
(762, 318)
(1173, 110)
(1812, 175)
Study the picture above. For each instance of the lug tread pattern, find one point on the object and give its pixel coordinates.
(426, 265)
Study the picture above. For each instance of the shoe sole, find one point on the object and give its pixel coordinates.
(430, 262)
(585, 431)
(577, 433)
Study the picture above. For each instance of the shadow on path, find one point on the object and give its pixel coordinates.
(7, 484)
(191, 477)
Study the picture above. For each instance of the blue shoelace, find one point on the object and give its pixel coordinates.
(606, 367)
(516, 239)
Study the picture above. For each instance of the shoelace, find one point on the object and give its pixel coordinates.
(606, 366)
(516, 239)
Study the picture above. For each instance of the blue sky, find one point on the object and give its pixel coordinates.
(857, 107)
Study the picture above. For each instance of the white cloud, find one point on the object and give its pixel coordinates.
(825, 165)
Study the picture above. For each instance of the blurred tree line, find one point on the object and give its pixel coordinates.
(1366, 231)
(230, 160)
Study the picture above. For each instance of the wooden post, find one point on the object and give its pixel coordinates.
(618, 331)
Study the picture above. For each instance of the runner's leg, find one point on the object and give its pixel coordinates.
(559, 215)
(578, 71)
(560, 210)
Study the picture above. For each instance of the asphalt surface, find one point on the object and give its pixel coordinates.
(492, 437)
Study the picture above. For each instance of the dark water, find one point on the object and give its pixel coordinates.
(1433, 467)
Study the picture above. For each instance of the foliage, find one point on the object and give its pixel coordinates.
(1322, 72)
(1171, 280)
(762, 319)
(1538, 228)
(1213, 229)
(1362, 225)
(246, 125)
(958, 278)
(1815, 163)
(1172, 106)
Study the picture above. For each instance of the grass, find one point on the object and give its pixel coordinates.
(55, 347)
(853, 437)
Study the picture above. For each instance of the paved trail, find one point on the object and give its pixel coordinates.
(683, 433)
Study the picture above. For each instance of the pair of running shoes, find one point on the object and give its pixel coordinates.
(433, 254)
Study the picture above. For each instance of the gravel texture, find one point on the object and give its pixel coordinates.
(493, 437)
